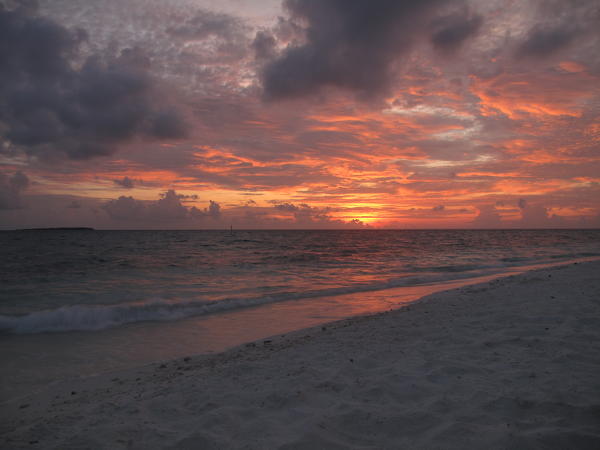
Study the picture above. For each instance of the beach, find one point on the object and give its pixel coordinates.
(510, 363)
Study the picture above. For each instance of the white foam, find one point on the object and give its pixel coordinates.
(97, 317)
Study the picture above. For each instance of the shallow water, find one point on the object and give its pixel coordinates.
(76, 303)
(90, 280)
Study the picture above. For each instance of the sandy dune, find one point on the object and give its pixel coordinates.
(510, 364)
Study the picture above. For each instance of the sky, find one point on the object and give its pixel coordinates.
(204, 114)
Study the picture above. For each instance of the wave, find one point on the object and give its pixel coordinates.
(98, 317)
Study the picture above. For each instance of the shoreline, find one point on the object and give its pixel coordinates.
(396, 370)
(70, 356)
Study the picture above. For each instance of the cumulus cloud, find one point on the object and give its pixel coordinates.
(11, 188)
(533, 215)
(354, 44)
(54, 101)
(168, 209)
(359, 46)
(213, 211)
(538, 216)
(304, 215)
(488, 217)
(125, 208)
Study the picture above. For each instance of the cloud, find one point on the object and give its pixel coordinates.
(125, 208)
(558, 25)
(264, 45)
(306, 216)
(125, 182)
(538, 216)
(220, 37)
(11, 188)
(451, 31)
(214, 210)
(532, 216)
(439, 208)
(351, 44)
(289, 207)
(542, 42)
(53, 101)
(168, 209)
(204, 24)
(488, 217)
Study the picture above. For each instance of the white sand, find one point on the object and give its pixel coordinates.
(510, 364)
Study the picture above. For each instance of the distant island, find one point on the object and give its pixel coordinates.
(58, 229)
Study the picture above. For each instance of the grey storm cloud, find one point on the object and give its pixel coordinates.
(264, 45)
(53, 101)
(452, 30)
(355, 44)
(541, 41)
(559, 25)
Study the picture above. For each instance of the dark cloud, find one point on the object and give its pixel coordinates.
(125, 182)
(351, 44)
(264, 45)
(438, 208)
(289, 207)
(52, 103)
(125, 208)
(167, 209)
(168, 124)
(11, 188)
(542, 42)
(304, 214)
(559, 24)
(288, 31)
(451, 31)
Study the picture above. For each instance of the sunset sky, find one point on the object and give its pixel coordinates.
(300, 114)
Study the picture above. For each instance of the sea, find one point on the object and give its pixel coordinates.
(76, 303)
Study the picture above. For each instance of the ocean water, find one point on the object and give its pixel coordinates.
(80, 302)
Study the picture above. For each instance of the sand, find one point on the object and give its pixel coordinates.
(509, 364)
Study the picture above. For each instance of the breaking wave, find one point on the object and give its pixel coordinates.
(98, 317)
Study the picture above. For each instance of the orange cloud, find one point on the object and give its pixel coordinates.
(519, 95)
